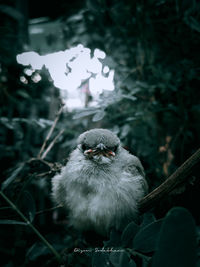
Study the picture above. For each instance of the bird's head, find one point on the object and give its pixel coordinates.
(99, 145)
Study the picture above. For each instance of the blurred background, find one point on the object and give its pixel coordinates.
(129, 66)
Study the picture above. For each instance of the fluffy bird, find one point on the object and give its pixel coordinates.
(101, 184)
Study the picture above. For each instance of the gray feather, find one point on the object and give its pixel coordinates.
(100, 193)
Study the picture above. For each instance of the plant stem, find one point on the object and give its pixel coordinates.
(47, 210)
(179, 178)
(50, 247)
(51, 144)
(50, 131)
(136, 253)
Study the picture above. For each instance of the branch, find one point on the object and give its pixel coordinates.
(58, 257)
(176, 179)
(50, 132)
(47, 210)
(51, 145)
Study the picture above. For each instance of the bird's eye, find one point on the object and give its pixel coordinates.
(115, 148)
(84, 147)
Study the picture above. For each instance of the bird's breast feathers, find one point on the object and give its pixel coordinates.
(101, 183)
(98, 195)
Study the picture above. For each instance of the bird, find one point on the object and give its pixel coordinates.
(101, 184)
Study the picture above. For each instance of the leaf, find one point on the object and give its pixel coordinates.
(10, 179)
(11, 11)
(78, 17)
(12, 123)
(84, 113)
(131, 264)
(198, 263)
(121, 259)
(23, 94)
(38, 249)
(129, 233)
(148, 218)
(131, 119)
(100, 259)
(115, 239)
(146, 262)
(125, 130)
(95, 5)
(146, 239)
(141, 84)
(12, 222)
(43, 123)
(192, 23)
(133, 98)
(117, 259)
(177, 241)
(7, 123)
(99, 115)
(27, 205)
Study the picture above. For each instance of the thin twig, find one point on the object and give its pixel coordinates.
(5, 208)
(47, 210)
(51, 144)
(136, 253)
(176, 179)
(50, 247)
(50, 132)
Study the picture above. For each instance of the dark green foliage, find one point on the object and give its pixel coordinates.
(37, 250)
(27, 205)
(146, 239)
(121, 259)
(128, 234)
(12, 177)
(153, 46)
(177, 241)
(100, 259)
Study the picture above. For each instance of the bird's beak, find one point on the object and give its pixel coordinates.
(100, 149)
(88, 152)
(111, 153)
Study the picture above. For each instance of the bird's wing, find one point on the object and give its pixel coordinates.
(58, 189)
(134, 166)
